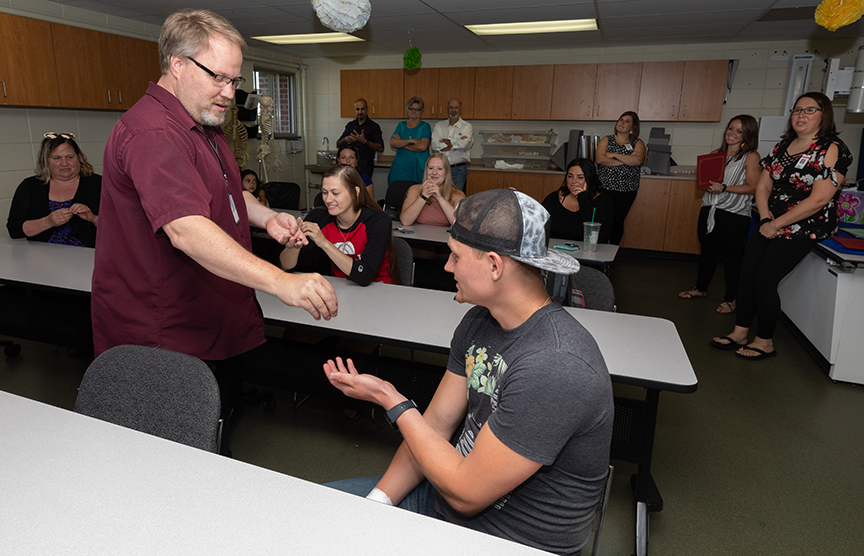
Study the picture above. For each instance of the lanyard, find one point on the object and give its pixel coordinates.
(224, 175)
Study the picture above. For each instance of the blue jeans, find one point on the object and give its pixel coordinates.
(421, 500)
(460, 176)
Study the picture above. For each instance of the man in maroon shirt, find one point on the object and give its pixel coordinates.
(174, 267)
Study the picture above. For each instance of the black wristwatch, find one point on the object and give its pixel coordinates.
(424, 197)
(396, 411)
(724, 188)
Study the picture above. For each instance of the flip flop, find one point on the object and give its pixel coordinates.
(728, 347)
(762, 354)
(727, 307)
(690, 295)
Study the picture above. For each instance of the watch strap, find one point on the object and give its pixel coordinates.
(424, 197)
(396, 411)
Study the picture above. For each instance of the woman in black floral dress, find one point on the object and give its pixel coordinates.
(797, 201)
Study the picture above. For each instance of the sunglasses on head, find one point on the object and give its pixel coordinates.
(54, 135)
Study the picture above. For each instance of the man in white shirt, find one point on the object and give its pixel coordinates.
(454, 138)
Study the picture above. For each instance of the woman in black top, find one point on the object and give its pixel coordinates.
(579, 199)
(60, 204)
(796, 197)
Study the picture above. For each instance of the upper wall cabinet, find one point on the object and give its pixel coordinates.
(382, 90)
(657, 91)
(27, 68)
(617, 90)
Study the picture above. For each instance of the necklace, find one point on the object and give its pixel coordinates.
(545, 301)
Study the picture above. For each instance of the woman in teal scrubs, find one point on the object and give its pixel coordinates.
(411, 143)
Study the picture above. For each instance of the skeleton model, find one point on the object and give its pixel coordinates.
(237, 136)
(266, 145)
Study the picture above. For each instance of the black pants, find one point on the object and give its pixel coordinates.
(727, 241)
(766, 262)
(621, 203)
(366, 167)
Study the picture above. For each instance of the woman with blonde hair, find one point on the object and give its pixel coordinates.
(434, 201)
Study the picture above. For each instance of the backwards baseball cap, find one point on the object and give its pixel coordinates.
(509, 223)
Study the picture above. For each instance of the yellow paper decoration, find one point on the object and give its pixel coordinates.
(834, 14)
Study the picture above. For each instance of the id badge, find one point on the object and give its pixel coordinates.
(803, 161)
(234, 209)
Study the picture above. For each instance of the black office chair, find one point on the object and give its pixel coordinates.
(395, 196)
(406, 261)
(600, 513)
(589, 288)
(156, 391)
(282, 195)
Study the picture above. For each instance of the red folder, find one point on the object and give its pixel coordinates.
(710, 167)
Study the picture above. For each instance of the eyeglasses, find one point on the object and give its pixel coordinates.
(220, 80)
(810, 110)
(415, 109)
(55, 135)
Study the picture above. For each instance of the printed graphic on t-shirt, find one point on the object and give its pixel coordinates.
(347, 247)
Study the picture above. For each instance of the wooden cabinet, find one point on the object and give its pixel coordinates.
(456, 83)
(383, 90)
(703, 91)
(134, 63)
(660, 91)
(533, 185)
(423, 83)
(493, 93)
(664, 217)
(479, 180)
(573, 91)
(617, 90)
(27, 69)
(532, 92)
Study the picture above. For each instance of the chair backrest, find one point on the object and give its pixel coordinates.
(283, 194)
(589, 288)
(153, 390)
(395, 196)
(406, 261)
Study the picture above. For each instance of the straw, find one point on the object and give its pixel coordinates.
(593, 212)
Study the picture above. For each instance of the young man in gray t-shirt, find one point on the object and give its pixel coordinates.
(532, 457)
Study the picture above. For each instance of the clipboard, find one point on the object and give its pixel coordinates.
(710, 167)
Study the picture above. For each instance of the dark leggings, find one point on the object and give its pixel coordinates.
(766, 262)
(621, 202)
(727, 241)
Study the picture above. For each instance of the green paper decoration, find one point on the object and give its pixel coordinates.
(412, 58)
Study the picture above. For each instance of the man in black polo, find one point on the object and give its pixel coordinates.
(366, 137)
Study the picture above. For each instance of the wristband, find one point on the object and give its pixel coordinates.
(379, 495)
(763, 221)
(424, 197)
(724, 188)
(396, 411)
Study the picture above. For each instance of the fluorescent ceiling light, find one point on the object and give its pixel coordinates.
(313, 38)
(529, 27)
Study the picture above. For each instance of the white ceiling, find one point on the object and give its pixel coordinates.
(436, 26)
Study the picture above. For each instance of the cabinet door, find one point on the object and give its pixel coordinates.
(353, 84)
(617, 90)
(660, 92)
(532, 92)
(573, 91)
(493, 93)
(423, 83)
(551, 182)
(456, 83)
(685, 201)
(134, 63)
(529, 184)
(645, 226)
(82, 67)
(703, 91)
(387, 90)
(28, 75)
(478, 181)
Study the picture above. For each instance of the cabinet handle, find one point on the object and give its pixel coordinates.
(109, 96)
(433, 109)
(684, 114)
(119, 96)
(440, 110)
(673, 110)
(373, 109)
(598, 110)
(4, 88)
(665, 187)
(589, 111)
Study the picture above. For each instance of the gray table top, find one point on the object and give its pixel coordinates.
(75, 485)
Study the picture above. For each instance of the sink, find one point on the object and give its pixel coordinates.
(326, 158)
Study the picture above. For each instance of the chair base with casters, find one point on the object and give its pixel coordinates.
(156, 391)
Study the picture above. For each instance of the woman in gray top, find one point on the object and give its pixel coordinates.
(725, 215)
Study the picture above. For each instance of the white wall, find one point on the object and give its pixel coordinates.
(758, 89)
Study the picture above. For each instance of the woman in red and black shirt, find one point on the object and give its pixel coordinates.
(353, 231)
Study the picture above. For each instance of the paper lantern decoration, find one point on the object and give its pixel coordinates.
(834, 14)
(343, 16)
(412, 58)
